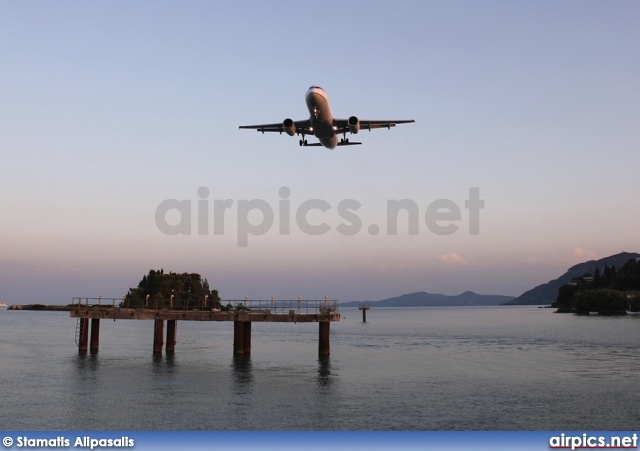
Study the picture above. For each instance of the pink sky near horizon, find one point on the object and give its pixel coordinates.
(109, 110)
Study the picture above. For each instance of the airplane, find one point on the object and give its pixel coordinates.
(322, 124)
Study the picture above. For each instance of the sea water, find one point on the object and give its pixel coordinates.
(489, 368)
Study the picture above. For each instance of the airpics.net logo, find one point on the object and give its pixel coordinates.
(314, 217)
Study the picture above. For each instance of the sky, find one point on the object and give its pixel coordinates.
(120, 144)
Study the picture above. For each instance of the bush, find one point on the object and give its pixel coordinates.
(604, 301)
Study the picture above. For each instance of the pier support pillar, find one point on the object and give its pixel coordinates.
(323, 341)
(171, 335)
(95, 334)
(247, 337)
(157, 336)
(83, 337)
(238, 337)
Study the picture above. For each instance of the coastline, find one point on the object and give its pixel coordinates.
(41, 307)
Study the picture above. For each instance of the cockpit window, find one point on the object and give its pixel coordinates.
(316, 87)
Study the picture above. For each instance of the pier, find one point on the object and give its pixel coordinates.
(364, 309)
(89, 312)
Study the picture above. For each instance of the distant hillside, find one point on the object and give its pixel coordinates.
(422, 299)
(547, 293)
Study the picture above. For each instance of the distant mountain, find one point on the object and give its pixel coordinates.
(548, 292)
(422, 299)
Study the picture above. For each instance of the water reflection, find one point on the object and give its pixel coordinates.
(242, 391)
(325, 379)
(164, 364)
(326, 401)
(86, 361)
(84, 380)
(242, 373)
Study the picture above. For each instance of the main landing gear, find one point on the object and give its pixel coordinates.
(344, 139)
(303, 142)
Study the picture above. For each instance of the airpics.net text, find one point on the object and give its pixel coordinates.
(256, 216)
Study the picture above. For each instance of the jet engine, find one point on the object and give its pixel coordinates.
(289, 127)
(354, 124)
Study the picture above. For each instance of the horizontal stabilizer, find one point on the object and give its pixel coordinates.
(349, 143)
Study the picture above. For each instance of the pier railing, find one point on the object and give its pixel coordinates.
(281, 307)
(272, 306)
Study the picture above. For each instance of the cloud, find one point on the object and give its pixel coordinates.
(584, 254)
(452, 259)
(533, 259)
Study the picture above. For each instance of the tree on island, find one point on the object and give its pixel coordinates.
(605, 301)
(179, 291)
(611, 292)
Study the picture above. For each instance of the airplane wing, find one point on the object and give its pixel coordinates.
(303, 127)
(342, 125)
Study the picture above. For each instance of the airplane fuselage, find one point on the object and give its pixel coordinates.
(322, 124)
(321, 117)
